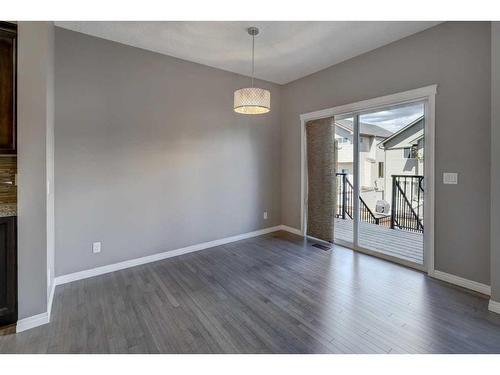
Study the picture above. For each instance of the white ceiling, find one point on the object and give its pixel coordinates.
(284, 51)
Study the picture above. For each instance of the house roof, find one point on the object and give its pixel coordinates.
(365, 129)
(402, 130)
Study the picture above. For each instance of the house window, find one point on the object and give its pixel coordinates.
(380, 169)
(410, 152)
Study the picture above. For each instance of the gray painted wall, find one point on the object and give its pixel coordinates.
(495, 161)
(35, 118)
(454, 55)
(150, 157)
(49, 155)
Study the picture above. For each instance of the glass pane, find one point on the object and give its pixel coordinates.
(391, 178)
(345, 184)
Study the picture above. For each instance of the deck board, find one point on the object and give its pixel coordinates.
(393, 242)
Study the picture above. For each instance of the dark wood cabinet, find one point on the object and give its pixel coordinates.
(8, 270)
(8, 68)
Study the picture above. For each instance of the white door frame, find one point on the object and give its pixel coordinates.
(426, 94)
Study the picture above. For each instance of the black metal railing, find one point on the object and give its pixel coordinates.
(345, 206)
(345, 197)
(407, 205)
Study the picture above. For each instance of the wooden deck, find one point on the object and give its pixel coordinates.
(394, 242)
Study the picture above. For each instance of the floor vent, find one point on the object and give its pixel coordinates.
(322, 247)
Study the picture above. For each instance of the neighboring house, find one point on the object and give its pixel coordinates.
(370, 160)
(382, 154)
(404, 154)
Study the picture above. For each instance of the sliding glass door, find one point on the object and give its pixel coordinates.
(381, 182)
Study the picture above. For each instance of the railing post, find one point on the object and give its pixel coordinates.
(344, 195)
(393, 201)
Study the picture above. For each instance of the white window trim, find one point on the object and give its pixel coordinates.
(427, 94)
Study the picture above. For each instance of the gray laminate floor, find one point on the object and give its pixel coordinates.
(271, 294)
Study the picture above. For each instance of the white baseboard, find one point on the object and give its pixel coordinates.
(460, 281)
(59, 280)
(32, 322)
(494, 306)
(40, 319)
(286, 228)
(44, 318)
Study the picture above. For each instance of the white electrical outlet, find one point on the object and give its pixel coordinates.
(450, 178)
(96, 247)
(265, 215)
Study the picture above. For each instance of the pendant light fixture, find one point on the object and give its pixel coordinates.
(252, 100)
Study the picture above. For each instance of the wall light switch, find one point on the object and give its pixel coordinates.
(96, 247)
(450, 178)
(265, 215)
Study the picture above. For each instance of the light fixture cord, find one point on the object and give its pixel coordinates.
(253, 54)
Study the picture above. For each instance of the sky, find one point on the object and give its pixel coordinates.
(395, 118)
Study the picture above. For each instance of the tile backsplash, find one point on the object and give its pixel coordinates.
(8, 188)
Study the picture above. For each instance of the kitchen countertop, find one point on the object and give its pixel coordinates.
(8, 209)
